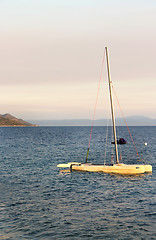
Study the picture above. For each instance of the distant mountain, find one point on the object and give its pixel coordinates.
(140, 121)
(7, 120)
(131, 121)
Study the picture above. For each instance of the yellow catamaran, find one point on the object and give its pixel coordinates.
(117, 168)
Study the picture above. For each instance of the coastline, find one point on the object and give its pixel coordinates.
(19, 125)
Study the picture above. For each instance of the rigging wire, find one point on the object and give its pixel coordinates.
(95, 106)
(125, 122)
(119, 147)
(112, 148)
(106, 141)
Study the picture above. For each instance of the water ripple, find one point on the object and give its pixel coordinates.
(39, 201)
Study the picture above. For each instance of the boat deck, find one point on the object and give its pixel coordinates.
(116, 168)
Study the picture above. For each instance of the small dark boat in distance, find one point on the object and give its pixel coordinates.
(120, 141)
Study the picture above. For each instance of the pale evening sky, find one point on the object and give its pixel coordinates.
(51, 53)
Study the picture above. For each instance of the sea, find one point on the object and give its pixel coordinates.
(40, 201)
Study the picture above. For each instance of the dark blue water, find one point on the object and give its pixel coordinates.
(38, 201)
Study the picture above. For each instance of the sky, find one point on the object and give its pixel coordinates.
(51, 56)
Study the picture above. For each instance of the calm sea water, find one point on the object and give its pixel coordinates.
(38, 201)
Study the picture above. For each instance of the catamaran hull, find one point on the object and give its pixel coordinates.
(123, 169)
(148, 168)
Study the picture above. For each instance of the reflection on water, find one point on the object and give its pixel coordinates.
(65, 171)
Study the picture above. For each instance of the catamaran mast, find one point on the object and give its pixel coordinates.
(112, 110)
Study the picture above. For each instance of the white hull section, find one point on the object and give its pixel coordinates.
(116, 168)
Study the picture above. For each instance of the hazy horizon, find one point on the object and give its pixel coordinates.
(130, 121)
(61, 119)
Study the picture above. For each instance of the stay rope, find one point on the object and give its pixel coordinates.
(125, 122)
(106, 142)
(95, 106)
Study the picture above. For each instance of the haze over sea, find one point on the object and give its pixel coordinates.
(38, 201)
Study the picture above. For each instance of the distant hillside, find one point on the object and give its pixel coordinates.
(131, 121)
(7, 120)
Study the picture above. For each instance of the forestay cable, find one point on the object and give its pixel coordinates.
(125, 122)
(95, 106)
